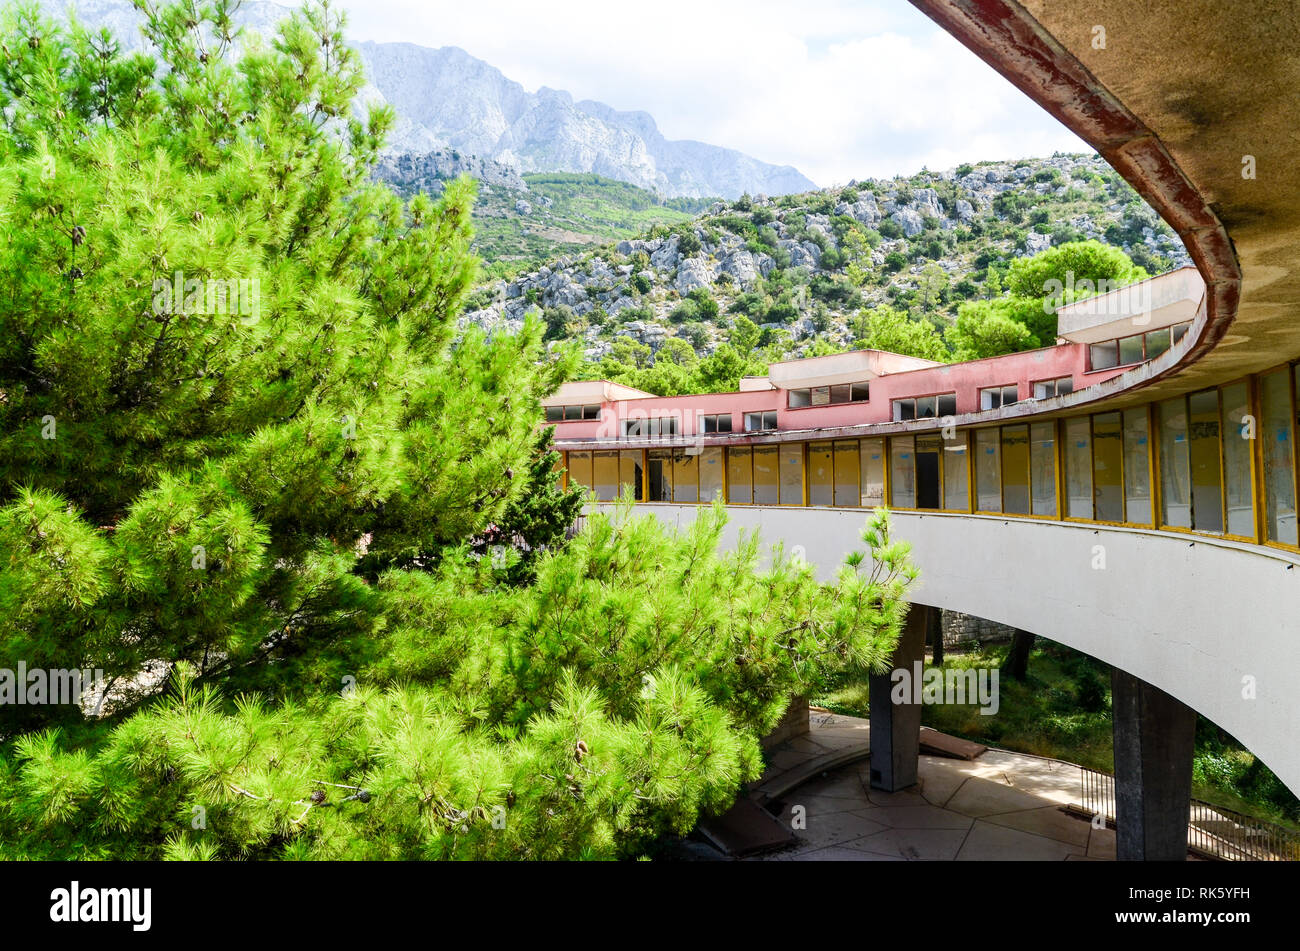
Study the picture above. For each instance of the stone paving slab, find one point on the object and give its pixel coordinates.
(1000, 805)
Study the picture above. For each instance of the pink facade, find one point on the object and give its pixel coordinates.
(966, 380)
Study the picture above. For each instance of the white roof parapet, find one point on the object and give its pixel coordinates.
(1160, 301)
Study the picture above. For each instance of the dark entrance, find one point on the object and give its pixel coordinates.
(927, 472)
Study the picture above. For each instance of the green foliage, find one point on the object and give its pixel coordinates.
(891, 330)
(988, 329)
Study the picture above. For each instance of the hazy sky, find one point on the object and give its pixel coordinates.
(840, 89)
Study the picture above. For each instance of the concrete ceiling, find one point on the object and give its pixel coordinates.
(1180, 93)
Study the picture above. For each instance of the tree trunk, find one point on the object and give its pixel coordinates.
(934, 632)
(1017, 663)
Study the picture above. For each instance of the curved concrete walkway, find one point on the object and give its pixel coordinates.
(999, 806)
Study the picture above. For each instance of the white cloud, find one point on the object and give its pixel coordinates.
(840, 89)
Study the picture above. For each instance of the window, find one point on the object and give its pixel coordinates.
(846, 472)
(1175, 476)
(1179, 331)
(580, 468)
(1157, 342)
(1137, 467)
(902, 472)
(792, 474)
(829, 395)
(821, 474)
(1239, 497)
(1130, 349)
(614, 473)
(605, 475)
(659, 426)
(1078, 467)
(988, 476)
(740, 475)
(767, 486)
(716, 424)
(1203, 456)
(925, 407)
(956, 474)
(1042, 469)
(1103, 356)
(995, 397)
(555, 414)
(1046, 389)
(660, 475)
(1108, 467)
(871, 465)
(686, 476)
(1015, 469)
(757, 422)
(1277, 434)
(711, 462)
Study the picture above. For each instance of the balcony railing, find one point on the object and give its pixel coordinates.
(1212, 831)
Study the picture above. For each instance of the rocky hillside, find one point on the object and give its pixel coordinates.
(522, 221)
(803, 266)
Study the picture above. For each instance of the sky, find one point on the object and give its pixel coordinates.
(840, 89)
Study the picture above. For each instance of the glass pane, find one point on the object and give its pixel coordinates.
(554, 414)
(1236, 461)
(605, 473)
(1157, 343)
(840, 393)
(800, 398)
(724, 423)
(859, 392)
(927, 407)
(872, 464)
(1278, 450)
(1042, 468)
(1207, 477)
(580, 468)
(821, 395)
(686, 471)
(767, 487)
(660, 475)
(904, 409)
(710, 473)
(956, 476)
(1175, 481)
(948, 404)
(1108, 467)
(792, 474)
(1015, 469)
(1130, 350)
(902, 472)
(1137, 467)
(740, 475)
(820, 474)
(846, 472)
(1103, 356)
(988, 475)
(629, 472)
(929, 478)
(1078, 467)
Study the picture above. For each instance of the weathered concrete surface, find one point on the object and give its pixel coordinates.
(1211, 622)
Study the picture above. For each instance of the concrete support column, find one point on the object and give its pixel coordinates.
(1154, 742)
(896, 727)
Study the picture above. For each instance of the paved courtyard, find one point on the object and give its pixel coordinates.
(998, 806)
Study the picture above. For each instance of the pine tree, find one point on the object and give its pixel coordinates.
(289, 506)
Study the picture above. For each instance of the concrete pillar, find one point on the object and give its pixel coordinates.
(1154, 742)
(896, 728)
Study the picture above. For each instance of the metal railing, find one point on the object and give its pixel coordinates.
(1212, 831)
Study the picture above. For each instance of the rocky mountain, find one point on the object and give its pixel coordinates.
(802, 267)
(447, 99)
